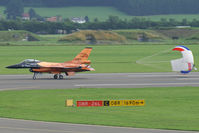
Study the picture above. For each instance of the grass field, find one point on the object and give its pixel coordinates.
(102, 13)
(166, 108)
(2, 12)
(126, 58)
(104, 58)
(178, 17)
(101, 37)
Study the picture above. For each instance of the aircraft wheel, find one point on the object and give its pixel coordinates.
(61, 76)
(55, 76)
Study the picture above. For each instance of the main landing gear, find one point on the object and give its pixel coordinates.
(58, 76)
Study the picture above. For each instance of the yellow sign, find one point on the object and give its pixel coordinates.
(126, 103)
(69, 102)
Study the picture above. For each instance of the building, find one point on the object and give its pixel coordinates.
(182, 27)
(79, 20)
(54, 19)
(25, 16)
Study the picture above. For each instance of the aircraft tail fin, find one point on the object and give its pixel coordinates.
(82, 57)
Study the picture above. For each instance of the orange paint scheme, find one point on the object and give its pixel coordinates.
(79, 64)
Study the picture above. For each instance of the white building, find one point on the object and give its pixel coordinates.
(79, 20)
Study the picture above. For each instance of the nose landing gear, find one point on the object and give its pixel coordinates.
(35, 75)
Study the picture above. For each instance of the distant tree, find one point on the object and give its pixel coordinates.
(32, 13)
(184, 22)
(172, 22)
(86, 18)
(194, 23)
(14, 9)
(113, 19)
(113, 22)
(163, 22)
(96, 20)
(1, 27)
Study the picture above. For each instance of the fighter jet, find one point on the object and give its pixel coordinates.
(79, 64)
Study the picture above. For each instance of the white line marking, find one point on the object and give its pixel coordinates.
(166, 75)
(38, 130)
(17, 88)
(143, 84)
(188, 79)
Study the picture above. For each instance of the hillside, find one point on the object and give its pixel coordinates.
(18, 36)
(102, 13)
(131, 7)
(93, 37)
(131, 36)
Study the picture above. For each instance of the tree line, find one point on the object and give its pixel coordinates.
(113, 22)
(131, 7)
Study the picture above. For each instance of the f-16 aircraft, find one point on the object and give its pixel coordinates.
(79, 64)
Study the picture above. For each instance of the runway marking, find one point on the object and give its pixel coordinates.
(143, 84)
(17, 88)
(39, 130)
(188, 79)
(177, 76)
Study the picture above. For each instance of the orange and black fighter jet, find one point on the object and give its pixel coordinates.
(79, 64)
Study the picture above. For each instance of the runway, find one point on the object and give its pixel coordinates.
(104, 80)
(24, 126)
(108, 80)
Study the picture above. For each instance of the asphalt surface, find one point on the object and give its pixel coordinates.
(111, 80)
(24, 126)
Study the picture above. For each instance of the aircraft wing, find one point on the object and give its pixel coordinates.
(65, 68)
(58, 65)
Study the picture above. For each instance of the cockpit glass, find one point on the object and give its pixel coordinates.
(30, 61)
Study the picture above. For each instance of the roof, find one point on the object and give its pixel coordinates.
(25, 15)
(52, 19)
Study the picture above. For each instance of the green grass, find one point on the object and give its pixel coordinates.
(166, 108)
(134, 34)
(102, 13)
(52, 37)
(18, 35)
(104, 59)
(96, 35)
(178, 17)
(187, 36)
(2, 12)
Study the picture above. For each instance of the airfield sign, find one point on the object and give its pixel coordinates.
(110, 103)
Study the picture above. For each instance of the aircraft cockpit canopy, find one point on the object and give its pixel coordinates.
(31, 61)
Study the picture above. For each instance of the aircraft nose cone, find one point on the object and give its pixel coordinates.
(12, 66)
